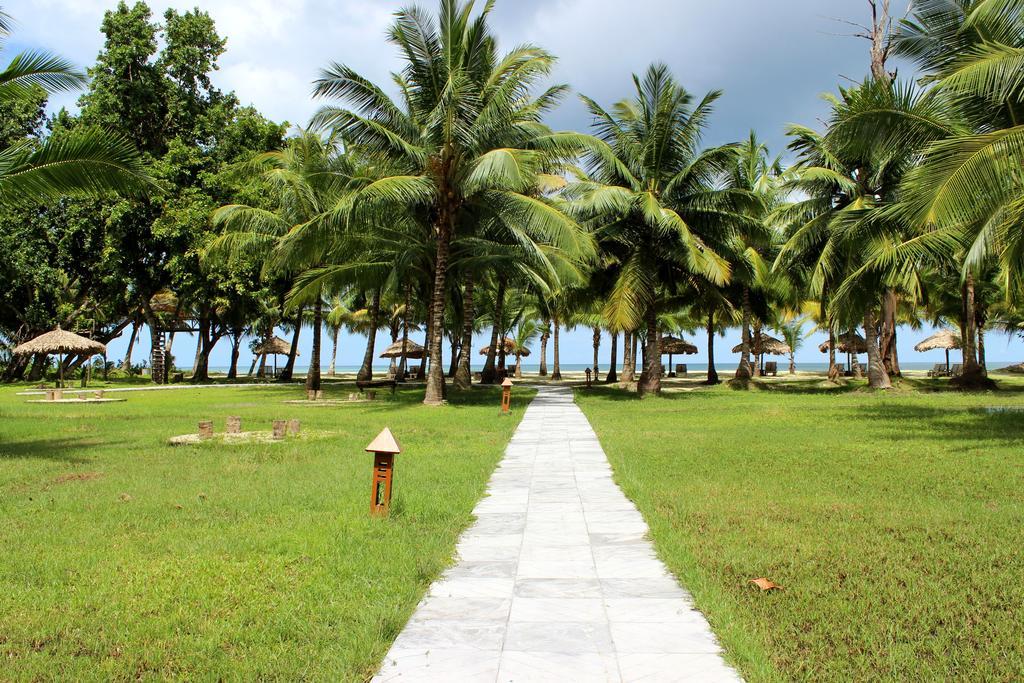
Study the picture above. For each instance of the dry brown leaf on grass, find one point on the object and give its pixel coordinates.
(766, 584)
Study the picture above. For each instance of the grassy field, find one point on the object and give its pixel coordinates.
(893, 522)
(125, 558)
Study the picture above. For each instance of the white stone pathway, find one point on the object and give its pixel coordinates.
(556, 581)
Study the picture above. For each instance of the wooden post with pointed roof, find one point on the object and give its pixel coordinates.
(506, 396)
(384, 448)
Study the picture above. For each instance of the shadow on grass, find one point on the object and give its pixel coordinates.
(973, 426)
(59, 450)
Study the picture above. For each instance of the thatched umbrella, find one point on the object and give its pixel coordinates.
(770, 346)
(61, 342)
(673, 346)
(275, 347)
(510, 348)
(412, 350)
(943, 339)
(849, 344)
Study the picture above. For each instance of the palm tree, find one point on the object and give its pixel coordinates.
(464, 142)
(651, 200)
(760, 181)
(526, 333)
(86, 160)
(306, 179)
(969, 185)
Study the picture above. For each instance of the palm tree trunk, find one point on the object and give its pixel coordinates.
(453, 366)
(743, 371)
(126, 364)
(436, 389)
(878, 378)
(313, 374)
(335, 331)
(489, 374)
(519, 366)
(792, 362)
(612, 375)
(201, 363)
(628, 347)
(650, 379)
(403, 366)
(634, 342)
(365, 373)
(981, 351)
(236, 343)
(712, 371)
(757, 350)
(971, 367)
(464, 373)
(289, 368)
(556, 374)
(833, 370)
(887, 340)
(544, 353)
(597, 347)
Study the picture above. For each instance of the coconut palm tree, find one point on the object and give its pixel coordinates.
(306, 180)
(464, 141)
(526, 333)
(969, 185)
(651, 200)
(87, 160)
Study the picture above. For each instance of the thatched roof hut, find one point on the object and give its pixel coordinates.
(943, 339)
(847, 343)
(676, 347)
(275, 347)
(412, 350)
(510, 349)
(61, 342)
(770, 346)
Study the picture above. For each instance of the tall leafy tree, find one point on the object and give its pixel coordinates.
(463, 139)
(652, 201)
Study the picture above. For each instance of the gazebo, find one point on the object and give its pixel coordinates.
(412, 350)
(769, 346)
(275, 347)
(943, 339)
(851, 343)
(673, 346)
(510, 347)
(60, 342)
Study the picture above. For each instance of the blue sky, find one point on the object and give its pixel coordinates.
(772, 58)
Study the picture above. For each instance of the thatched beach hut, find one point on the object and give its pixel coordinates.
(943, 339)
(275, 346)
(60, 342)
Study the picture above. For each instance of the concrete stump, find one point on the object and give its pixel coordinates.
(353, 397)
(280, 428)
(234, 424)
(294, 426)
(99, 393)
(315, 395)
(205, 429)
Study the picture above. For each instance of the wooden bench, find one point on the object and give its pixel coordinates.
(771, 368)
(938, 371)
(682, 370)
(365, 384)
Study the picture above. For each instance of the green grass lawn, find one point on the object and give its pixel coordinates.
(893, 521)
(125, 558)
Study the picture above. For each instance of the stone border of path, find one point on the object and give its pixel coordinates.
(557, 580)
